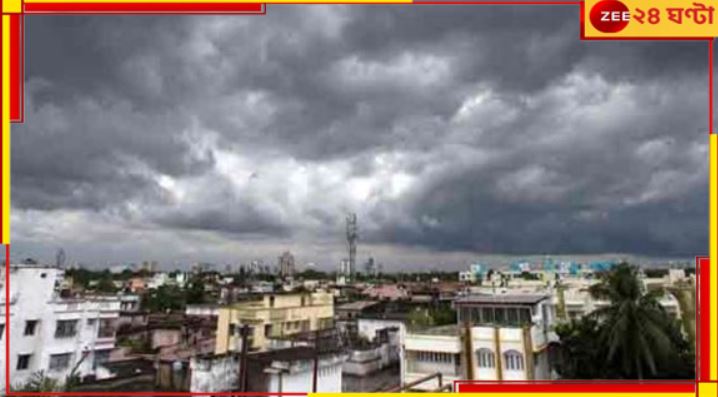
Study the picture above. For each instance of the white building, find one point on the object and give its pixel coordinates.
(158, 280)
(289, 370)
(578, 302)
(130, 303)
(292, 371)
(498, 337)
(51, 333)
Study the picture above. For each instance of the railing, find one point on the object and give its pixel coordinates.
(421, 380)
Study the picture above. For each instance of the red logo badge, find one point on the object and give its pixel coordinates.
(609, 16)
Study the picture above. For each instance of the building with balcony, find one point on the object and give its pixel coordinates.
(497, 337)
(50, 330)
(273, 316)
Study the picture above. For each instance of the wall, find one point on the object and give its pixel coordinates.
(165, 337)
(286, 308)
(217, 374)
(329, 379)
(33, 297)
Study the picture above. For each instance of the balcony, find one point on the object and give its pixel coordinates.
(106, 333)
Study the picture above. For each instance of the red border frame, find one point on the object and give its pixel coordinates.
(567, 386)
(17, 109)
(145, 8)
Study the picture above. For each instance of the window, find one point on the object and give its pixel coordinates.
(513, 360)
(58, 362)
(487, 315)
(525, 315)
(475, 315)
(66, 328)
(2, 331)
(30, 326)
(513, 316)
(23, 361)
(500, 315)
(231, 329)
(267, 330)
(464, 314)
(107, 328)
(485, 358)
(91, 322)
(434, 357)
(271, 301)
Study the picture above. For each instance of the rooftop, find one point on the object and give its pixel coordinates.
(358, 305)
(443, 330)
(509, 299)
(298, 353)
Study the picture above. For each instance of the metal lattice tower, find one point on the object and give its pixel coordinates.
(60, 258)
(352, 236)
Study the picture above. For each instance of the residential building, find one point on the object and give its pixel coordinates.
(289, 370)
(52, 331)
(574, 303)
(273, 316)
(137, 284)
(129, 303)
(387, 292)
(286, 264)
(497, 337)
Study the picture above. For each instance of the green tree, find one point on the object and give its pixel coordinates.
(420, 318)
(165, 298)
(443, 314)
(631, 338)
(634, 326)
(105, 284)
(195, 291)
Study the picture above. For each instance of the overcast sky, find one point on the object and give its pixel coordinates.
(453, 133)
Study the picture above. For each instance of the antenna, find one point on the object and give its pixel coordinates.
(60, 259)
(352, 236)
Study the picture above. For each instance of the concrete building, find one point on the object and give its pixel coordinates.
(286, 264)
(366, 358)
(574, 303)
(292, 371)
(273, 316)
(52, 332)
(289, 370)
(202, 310)
(129, 303)
(498, 337)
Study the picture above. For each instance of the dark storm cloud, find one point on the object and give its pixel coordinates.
(484, 129)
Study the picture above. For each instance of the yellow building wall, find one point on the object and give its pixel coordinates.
(277, 310)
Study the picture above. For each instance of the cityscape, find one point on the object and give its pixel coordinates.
(350, 198)
(291, 328)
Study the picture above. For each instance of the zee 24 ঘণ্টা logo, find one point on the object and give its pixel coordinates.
(609, 16)
(612, 16)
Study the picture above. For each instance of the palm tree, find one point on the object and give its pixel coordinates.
(634, 327)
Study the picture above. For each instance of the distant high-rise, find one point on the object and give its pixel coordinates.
(286, 264)
(369, 267)
(352, 236)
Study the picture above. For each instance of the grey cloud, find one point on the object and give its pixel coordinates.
(482, 129)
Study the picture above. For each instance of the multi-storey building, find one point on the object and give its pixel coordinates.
(51, 331)
(498, 337)
(273, 316)
(286, 264)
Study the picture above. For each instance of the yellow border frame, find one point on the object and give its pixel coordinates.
(709, 388)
